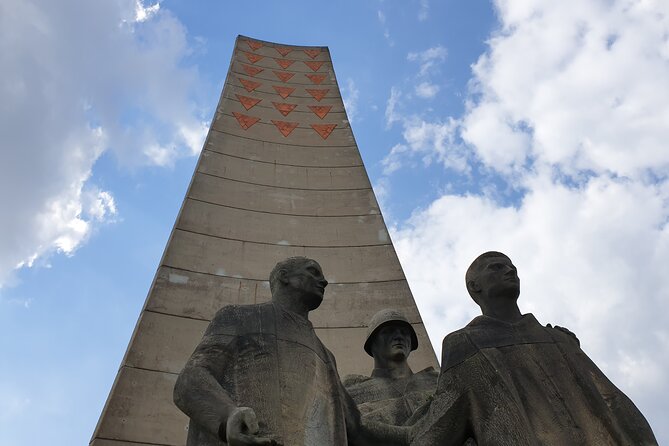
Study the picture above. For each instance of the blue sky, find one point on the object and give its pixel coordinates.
(529, 127)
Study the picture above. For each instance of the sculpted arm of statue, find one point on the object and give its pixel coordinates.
(371, 433)
(199, 394)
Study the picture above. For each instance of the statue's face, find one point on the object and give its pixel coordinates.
(392, 342)
(498, 277)
(308, 282)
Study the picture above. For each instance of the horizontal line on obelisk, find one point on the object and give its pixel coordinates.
(204, 234)
(282, 187)
(319, 86)
(291, 115)
(261, 281)
(280, 82)
(281, 164)
(280, 213)
(276, 67)
(337, 129)
(337, 327)
(212, 129)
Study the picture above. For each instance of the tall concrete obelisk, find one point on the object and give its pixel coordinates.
(280, 175)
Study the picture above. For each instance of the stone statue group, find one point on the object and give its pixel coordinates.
(261, 376)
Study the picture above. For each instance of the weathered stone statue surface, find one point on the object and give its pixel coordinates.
(393, 392)
(507, 380)
(261, 376)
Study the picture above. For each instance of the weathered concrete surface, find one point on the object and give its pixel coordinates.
(296, 177)
(140, 409)
(262, 227)
(282, 154)
(199, 296)
(281, 200)
(266, 186)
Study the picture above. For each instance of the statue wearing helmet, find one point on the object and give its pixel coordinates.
(392, 393)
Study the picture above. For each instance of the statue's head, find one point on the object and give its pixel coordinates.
(492, 275)
(299, 278)
(390, 336)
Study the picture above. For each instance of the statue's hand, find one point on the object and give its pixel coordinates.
(242, 429)
(566, 331)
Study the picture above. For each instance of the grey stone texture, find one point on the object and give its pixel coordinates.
(258, 197)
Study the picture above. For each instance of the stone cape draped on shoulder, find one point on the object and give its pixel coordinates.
(271, 360)
(524, 384)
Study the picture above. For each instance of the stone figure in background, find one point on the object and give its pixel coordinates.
(507, 380)
(393, 392)
(261, 376)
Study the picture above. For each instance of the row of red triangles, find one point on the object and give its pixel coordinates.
(315, 65)
(284, 51)
(284, 92)
(284, 127)
(284, 108)
(284, 76)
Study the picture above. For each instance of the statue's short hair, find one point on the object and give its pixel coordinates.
(288, 265)
(477, 264)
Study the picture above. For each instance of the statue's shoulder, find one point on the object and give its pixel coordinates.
(354, 380)
(458, 347)
(238, 319)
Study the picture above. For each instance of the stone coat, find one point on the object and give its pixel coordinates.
(525, 384)
(266, 358)
(391, 401)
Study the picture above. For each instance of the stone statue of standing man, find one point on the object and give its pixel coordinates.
(508, 380)
(261, 376)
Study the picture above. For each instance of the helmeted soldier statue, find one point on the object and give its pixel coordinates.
(393, 392)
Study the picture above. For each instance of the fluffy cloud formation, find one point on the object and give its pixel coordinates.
(76, 74)
(428, 59)
(567, 120)
(426, 90)
(591, 259)
(350, 95)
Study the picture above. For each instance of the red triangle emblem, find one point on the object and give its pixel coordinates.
(247, 102)
(249, 85)
(285, 127)
(254, 44)
(312, 53)
(315, 65)
(317, 94)
(244, 120)
(253, 58)
(320, 110)
(283, 75)
(251, 70)
(324, 129)
(284, 63)
(284, 108)
(284, 51)
(283, 91)
(316, 78)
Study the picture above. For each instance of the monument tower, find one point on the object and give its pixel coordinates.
(280, 175)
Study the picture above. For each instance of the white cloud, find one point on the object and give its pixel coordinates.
(590, 259)
(392, 115)
(569, 110)
(82, 78)
(582, 87)
(423, 10)
(381, 16)
(427, 90)
(143, 13)
(350, 95)
(428, 59)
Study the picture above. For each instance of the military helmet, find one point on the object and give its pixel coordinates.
(385, 317)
